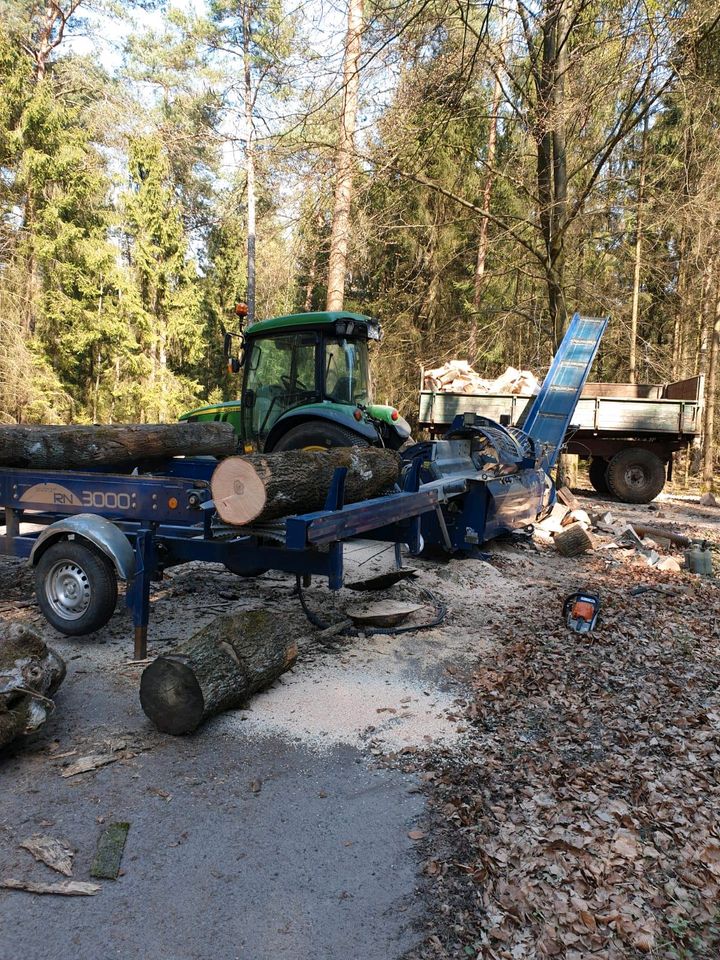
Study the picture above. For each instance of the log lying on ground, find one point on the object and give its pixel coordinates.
(75, 447)
(268, 486)
(30, 673)
(220, 667)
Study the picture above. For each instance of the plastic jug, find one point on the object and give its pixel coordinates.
(698, 559)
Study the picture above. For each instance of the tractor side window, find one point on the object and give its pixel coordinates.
(347, 371)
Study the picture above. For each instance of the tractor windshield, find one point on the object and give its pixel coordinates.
(347, 372)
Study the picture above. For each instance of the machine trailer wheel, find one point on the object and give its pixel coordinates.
(598, 474)
(319, 435)
(76, 587)
(636, 475)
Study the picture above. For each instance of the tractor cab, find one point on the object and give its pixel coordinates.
(306, 384)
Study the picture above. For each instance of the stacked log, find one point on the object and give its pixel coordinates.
(268, 486)
(75, 447)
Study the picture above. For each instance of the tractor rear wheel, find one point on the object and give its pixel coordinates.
(598, 474)
(319, 435)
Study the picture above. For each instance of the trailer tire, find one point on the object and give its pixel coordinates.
(636, 475)
(76, 587)
(598, 474)
(319, 435)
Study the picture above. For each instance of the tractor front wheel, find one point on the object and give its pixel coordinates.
(319, 435)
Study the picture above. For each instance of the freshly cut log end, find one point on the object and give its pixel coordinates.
(75, 447)
(268, 486)
(220, 667)
(171, 695)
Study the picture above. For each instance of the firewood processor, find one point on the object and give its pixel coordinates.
(84, 531)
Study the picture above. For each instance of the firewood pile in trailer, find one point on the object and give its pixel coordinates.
(457, 376)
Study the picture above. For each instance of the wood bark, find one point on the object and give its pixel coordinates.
(30, 673)
(75, 447)
(345, 159)
(267, 486)
(220, 667)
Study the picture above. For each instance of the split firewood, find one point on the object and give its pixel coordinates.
(30, 673)
(220, 667)
(267, 486)
(573, 540)
(75, 447)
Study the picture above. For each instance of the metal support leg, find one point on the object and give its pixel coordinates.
(138, 594)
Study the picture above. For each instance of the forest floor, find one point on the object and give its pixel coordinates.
(496, 786)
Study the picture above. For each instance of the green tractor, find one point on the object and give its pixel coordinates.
(306, 385)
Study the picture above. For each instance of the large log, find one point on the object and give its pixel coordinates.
(220, 667)
(267, 486)
(30, 673)
(75, 447)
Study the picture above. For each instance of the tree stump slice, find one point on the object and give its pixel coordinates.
(220, 667)
(269, 486)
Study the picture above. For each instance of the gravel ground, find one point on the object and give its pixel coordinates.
(352, 749)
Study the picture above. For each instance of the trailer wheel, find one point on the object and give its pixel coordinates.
(636, 475)
(76, 587)
(598, 474)
(319, 435)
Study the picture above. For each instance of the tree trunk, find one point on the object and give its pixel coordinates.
(218, 668)
(72, 448)
(710, 392)
(567, 470)
(268, 486)
(30, 673)
(249, 165)
(705, 313)
(558, 308)
(345, 160)
(638, 257)
(487, 190)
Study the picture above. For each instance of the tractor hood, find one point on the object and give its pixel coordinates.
(389, 415)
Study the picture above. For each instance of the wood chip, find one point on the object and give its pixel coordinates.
(64, 888)
(56, 854)
(90, 762)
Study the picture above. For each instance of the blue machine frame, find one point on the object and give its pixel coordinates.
(168, 518)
